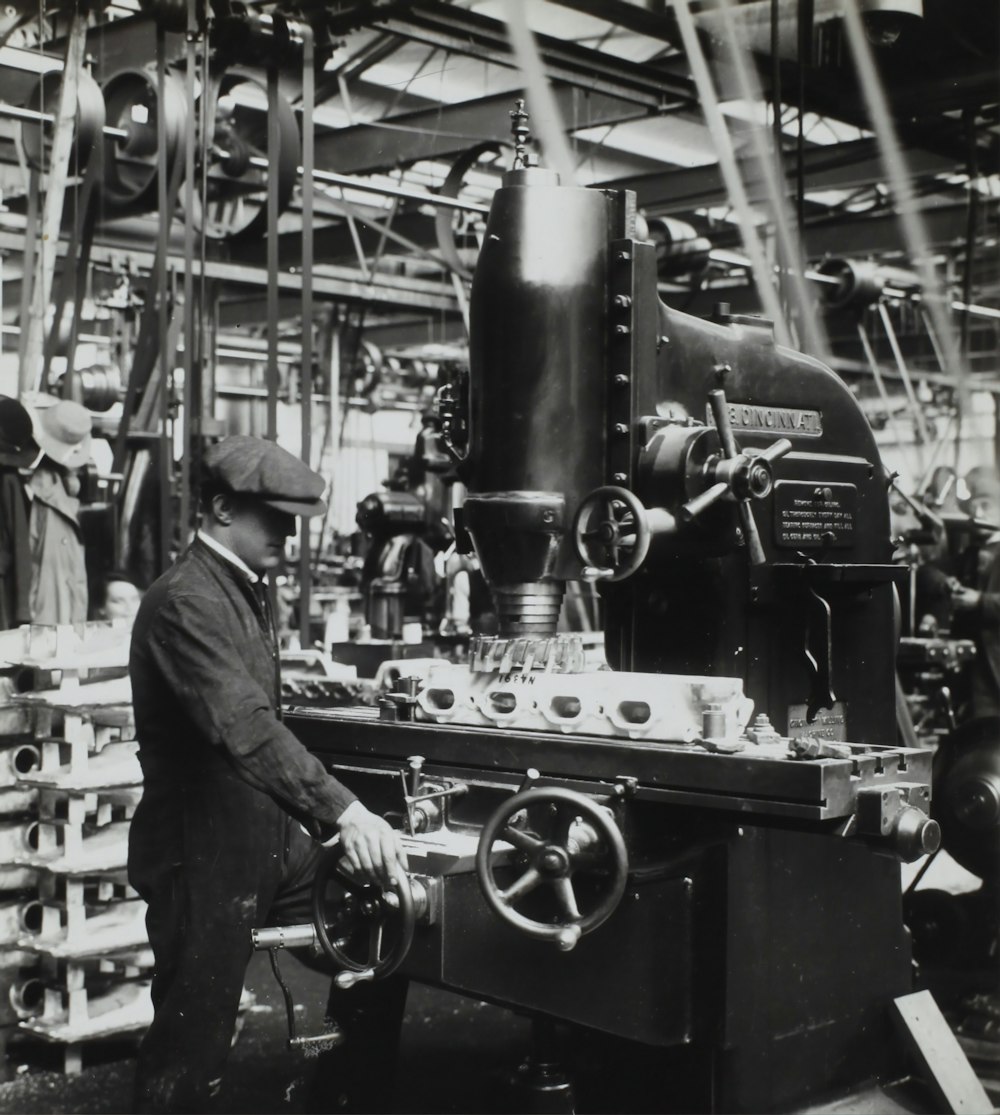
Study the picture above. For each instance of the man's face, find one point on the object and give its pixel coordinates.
(986, 508)
(121, 600)
(258, 533)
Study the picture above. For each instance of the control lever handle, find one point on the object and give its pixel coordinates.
(776, 450)
(819, 635)
(717, 401)
(346, 980)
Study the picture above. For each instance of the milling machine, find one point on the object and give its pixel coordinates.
(694, 855)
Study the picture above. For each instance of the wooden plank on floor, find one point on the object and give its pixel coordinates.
(929, 1038)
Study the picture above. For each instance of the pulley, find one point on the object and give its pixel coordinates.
(132, 97)
(238, 112)
(36, 136)
(863, 282)
(679, 248)
(452, 224)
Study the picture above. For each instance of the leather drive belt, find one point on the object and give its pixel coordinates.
(86, 159)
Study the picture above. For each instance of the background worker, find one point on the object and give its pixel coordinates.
(119, 596)
(59, 572)
(978, 608)
(18, 452)
(216, 847)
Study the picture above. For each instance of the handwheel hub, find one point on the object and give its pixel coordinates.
(553, 861)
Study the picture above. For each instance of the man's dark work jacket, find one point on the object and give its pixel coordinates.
(222, 774)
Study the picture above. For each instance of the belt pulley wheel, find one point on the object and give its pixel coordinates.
(453, 226)
(130, 163)
(362, 927)
(235, 206)
(36, 138)
(565, 835)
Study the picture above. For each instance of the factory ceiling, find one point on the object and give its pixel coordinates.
(413, 99)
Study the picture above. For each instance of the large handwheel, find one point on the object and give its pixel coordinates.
(570, 833)
(611, 531)
(364, 930)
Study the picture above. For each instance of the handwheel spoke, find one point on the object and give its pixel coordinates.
(523, 841)
(375, 944)
(567, 897)
(527, 883)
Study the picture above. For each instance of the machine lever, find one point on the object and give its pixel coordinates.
(776, 450)
(346, 980)
(331, 1038)
(821, 693)
(751, 535)
(701, 503)
(717, 401)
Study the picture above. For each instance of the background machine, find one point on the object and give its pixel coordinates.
(692, 858)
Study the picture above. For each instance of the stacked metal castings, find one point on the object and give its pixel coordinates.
(73, 931)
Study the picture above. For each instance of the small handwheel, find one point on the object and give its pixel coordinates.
(611, 531)
(568, 833)
(363, 929)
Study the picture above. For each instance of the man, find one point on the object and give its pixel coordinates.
(979, 608)
(216, 846)
(120, 596)
(18, 452)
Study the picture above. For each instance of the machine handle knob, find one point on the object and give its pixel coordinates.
(717, 401)
(701, 503)
(567, 937)
(346, 980)
(776, 450)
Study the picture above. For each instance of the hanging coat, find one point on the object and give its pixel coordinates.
(59, 572)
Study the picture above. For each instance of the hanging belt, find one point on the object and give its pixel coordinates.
(305, 402)
(73, 278)
(151, 338)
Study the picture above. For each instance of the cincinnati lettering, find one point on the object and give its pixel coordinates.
(804, 423)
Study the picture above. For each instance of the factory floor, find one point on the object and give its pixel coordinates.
(456, 1056)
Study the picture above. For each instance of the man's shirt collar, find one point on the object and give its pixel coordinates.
(227, 555)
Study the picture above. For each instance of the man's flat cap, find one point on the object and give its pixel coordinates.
(253, 466)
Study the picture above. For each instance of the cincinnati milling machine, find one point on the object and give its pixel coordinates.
(695, 854)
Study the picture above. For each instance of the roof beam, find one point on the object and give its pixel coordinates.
(845, 166)
(442, 132)
(338, 284)
(468, 33)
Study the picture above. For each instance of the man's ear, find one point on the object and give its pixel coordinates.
(222, 508)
